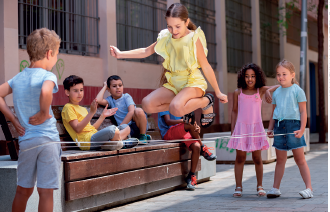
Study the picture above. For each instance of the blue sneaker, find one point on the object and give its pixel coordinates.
(191, 182)
(144, 138)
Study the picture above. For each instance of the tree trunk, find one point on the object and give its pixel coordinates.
(320, 71)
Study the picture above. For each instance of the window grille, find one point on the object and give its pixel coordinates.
(202, 13)
(75, 21)
(294, 27)
(138, 25)
(269, 34)
(239, 34)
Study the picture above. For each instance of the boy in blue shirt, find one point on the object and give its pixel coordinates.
(127, 112)
(172, 128)
(32, 91)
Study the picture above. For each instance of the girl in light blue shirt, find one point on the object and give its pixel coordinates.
(289, 116)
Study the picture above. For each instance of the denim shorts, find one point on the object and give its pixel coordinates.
(287, 142)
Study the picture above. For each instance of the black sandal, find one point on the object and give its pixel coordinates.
(208, 118)
(189, 118)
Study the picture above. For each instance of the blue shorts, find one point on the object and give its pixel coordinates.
(287, 142)
(135, 131)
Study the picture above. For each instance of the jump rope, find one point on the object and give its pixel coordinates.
(114, 143)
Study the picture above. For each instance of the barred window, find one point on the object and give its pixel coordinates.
(138, 25)
(269, 33)
(312, 35)
(75, 21)
(202, 13)
(294, 27)
(239, 34)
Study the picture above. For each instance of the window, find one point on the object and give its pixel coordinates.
(294, 27)
(138, 25)
(202, 13)
(239, 34)
(270, 43)
(75, 21)
(312, 35)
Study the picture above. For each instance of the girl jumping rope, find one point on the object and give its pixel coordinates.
(289, 117)
(183, 47)
(249, 134)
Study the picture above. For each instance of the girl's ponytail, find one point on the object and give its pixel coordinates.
(191, 25)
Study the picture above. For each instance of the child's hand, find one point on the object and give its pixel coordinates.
(298, 133)
(39, 118)
(105, 84)
(197, 128)
(94, 106)
(109, 112)
(268, 97)
(115, 52)
(270, 133)
(223, 98)
(20, 130)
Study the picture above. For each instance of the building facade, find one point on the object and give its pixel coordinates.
(237, 32)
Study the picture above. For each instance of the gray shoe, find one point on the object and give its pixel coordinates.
(130, 143)
(112, 145)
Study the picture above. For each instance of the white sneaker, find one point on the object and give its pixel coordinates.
(306, 194)
(112, 145)
(274, 192)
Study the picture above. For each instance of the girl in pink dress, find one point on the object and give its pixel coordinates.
(249, 134)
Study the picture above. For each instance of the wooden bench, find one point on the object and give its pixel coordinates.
(89, 174)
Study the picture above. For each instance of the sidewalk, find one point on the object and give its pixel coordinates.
(216, 195)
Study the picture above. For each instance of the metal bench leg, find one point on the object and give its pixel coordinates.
(9, 137)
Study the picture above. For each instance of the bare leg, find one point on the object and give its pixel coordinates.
(239, 166)
(191, 129)
(140, 119)
(45, 200)
(158, 100)
(21, 197)
(195, 148)
(256, 156)
(188, 100)
(121, 134)
(299, 157)
(281, 157)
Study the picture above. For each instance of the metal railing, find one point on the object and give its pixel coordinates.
(138, 25)
(75, 21)
(239, 34)
(269, 36)
(202, 13)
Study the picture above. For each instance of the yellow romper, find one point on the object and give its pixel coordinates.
(180, 60)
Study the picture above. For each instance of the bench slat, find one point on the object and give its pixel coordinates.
(109, 165)
(77, 155)
(90, 187)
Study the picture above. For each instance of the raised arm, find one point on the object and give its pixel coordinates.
(5, 90)
(99, 98)
(234, 112)
(79, 126)
(266, 90)
(45, 100)
(135, 53)
(208, 72)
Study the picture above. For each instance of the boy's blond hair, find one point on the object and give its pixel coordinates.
(40, 41)
(288, 65)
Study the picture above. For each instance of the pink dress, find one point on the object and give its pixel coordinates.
(249, 123)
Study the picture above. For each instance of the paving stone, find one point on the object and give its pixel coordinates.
(216, 194)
